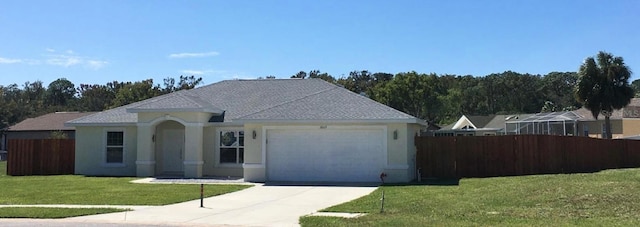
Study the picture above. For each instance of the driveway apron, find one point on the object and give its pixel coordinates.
(260, 205)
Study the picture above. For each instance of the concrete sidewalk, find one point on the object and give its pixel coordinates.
(260, 205)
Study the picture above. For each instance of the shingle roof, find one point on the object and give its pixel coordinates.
(257, 100)
(491, 121)
(616, 114)
(480, 121)
(48, 122)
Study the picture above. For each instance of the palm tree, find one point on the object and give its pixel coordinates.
(603, 86)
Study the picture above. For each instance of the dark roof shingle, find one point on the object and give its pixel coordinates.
(48, 122)
(270, 99)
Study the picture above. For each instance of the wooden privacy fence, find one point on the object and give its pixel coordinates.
(515, 155)
(40, 157)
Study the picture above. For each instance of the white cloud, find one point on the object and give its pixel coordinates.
(193, 72)
(194, 55)
(243, 77)
(70, 58)
(63, 60)
(94, 64)
(52, 57)
(202, 72)
(10, 60)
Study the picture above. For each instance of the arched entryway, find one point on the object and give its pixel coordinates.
(170, 148)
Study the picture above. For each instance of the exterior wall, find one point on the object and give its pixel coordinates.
(595, 128)
(90, 152)
(413, 130)
(398, 153)
(90, 147)
(400, 150)
(36, 134)
(212, 167)
(254, 168)
(631, 127)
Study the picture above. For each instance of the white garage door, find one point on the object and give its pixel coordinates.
(325, 155)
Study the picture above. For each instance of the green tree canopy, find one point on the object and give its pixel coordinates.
(60, 92)
(603, 86)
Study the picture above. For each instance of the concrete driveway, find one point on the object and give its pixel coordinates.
(260, 205)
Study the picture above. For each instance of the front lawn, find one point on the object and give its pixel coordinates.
(608, 198)
(70, 189)
(40, 212)
(3, 168)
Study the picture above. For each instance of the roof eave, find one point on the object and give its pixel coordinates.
(175, 110)
(40, 130)
(95, 124)
(328, 121)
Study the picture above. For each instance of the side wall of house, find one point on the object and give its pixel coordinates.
(91, 152)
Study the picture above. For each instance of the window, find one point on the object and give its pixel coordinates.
(231, 146)
(115, 147)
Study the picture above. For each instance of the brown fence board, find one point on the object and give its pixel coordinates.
(40, 157)
(515, 155)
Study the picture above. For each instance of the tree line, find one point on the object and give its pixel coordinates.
(442, 99)
(439, 99)
(34, 99)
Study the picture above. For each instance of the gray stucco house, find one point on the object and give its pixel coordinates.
(260, 130)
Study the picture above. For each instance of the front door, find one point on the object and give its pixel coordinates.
(173, 150)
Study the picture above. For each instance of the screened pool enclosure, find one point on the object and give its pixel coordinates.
(551, 123)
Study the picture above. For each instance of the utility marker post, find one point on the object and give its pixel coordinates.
(201, 195)
(382, 203)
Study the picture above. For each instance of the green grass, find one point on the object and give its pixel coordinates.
(3, 168)
(608, 198)
(70, 189)
(39, 212)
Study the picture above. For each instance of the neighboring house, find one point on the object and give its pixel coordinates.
(625, 123)
(261, 130)
(44, 127)
(479, 125)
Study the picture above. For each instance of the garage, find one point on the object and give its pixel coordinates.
(325, 154)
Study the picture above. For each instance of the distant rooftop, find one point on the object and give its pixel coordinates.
(48, 122)
(551, 116)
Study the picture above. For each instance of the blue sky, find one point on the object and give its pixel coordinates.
(95, 41)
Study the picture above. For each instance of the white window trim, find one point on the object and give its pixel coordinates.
(104, 147)
(217, 163)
